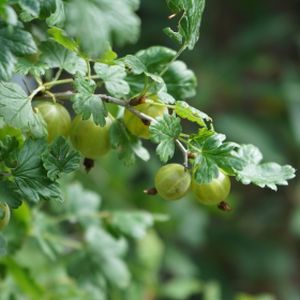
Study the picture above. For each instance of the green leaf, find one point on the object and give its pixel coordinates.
(24, 67)
(60, 159)
(126, 144)
(58, 16)
(8, 194)
(7, 63)
(8, 149)
(133, 224)
(8, 14)
(106, 252)
(19, 42)
(85, 214)
(63, 39)
(86, 104)
(113, 77)
(31, 180)
(185, 111)
(181, 82)
(16, 42)
(165, 97)
(16, 109)
(262, 174)
(134, 64)
(212, 154)
(155, 58)
(56, 56)
(98, 23)
(3, 250)
(164, 132)
(189, 23)
(30, 6)
(175, 36)
(23, 278)
(108, 57)
(182, 288)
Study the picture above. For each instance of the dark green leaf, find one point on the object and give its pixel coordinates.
(60, 159)
(2, 246)
(181, 82)
(31, 180)
(213, 154)
(9, 147)
(8, 194)
(18, 41)
(262, 174)
(164, 132)
(126, 145)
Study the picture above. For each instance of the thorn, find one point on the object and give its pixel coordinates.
(172, 16)
(224, 206)
(88, 164)
(151, 191)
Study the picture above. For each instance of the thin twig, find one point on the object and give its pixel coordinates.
(108, 99)
(184, 152)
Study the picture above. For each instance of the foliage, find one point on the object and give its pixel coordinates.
(55, 219)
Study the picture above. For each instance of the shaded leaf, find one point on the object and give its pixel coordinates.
(60, 159)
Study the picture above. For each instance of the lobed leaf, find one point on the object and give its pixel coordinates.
(212, 154)
(181, 82)
(30, 177)
(14, 42)
(114, 21)
(164, 132)
(60, 159)
(56, 56)
(16, 109)
(189, 23)
(113, 77)
(262, 174)
(86, 104)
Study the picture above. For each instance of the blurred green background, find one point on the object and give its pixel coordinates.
(247, 62)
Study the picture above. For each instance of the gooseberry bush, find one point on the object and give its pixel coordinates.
(67, 98)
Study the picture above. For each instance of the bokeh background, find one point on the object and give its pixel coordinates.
(247, 62)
